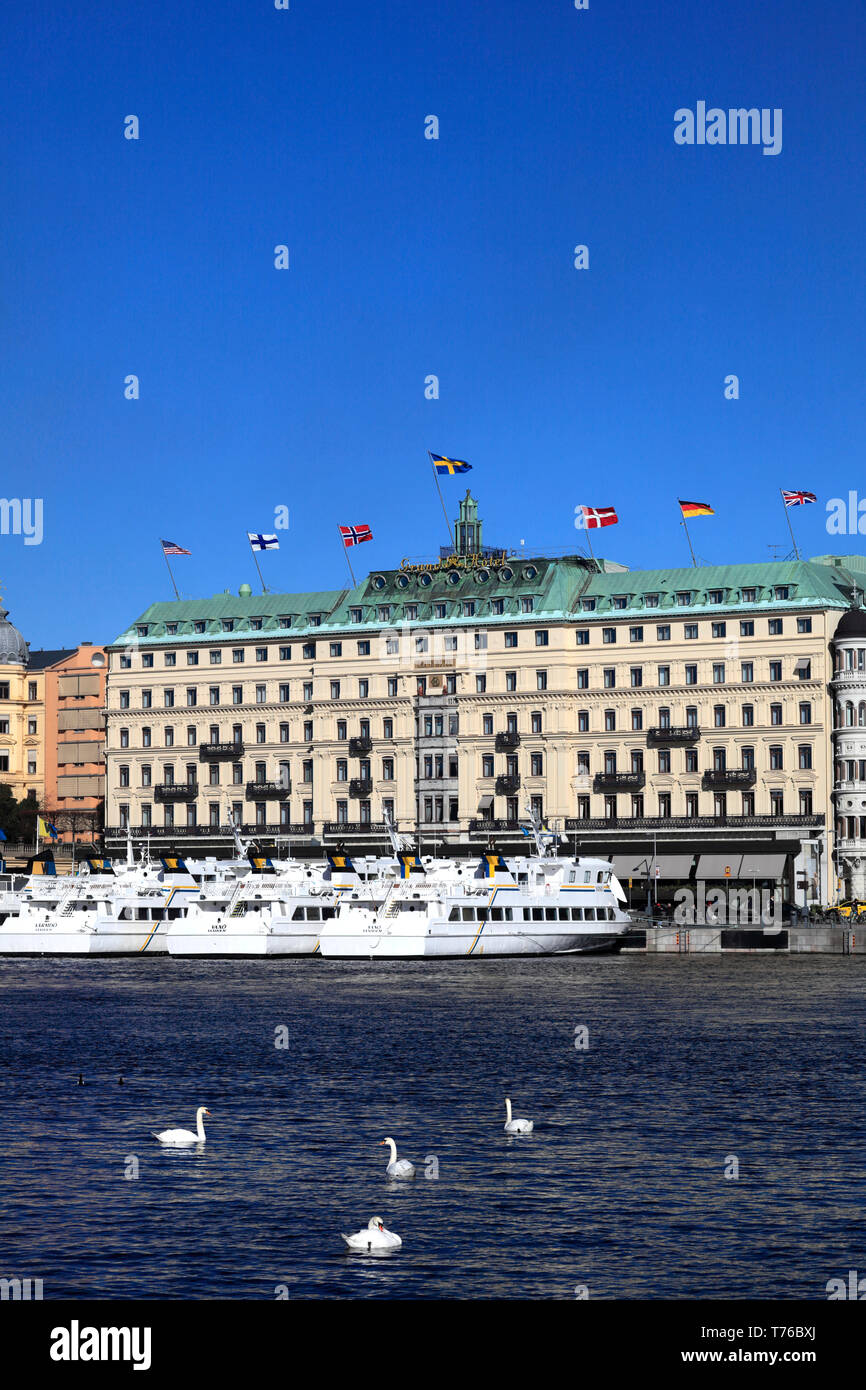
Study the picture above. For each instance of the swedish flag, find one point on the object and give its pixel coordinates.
(42, 865)
(260, 864)
(340, 860)
(493, 864)
(100, 866)
(449, 466)
(173, 864)
(410, 864)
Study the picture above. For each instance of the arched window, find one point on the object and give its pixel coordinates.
(849, 715)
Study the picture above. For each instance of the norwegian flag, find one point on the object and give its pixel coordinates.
(593, 517)
(798, 499)
(354, 535)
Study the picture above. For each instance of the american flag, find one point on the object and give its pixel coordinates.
(170, 548)
(798, 499)
(354, 535)
(593, 517)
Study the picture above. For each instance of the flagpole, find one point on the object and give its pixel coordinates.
(790, 527)
(168, 567)
(348, 561)
(589, 543)
(689, 539)
(441, 498)
(256, 563)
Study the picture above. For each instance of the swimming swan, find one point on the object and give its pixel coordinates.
(375, 1237)
(515, 1126)
(398, 1167)
(184, 1136)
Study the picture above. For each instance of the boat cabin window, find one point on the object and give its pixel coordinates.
(550, 914)
(563, 914)
(523, 878)
(454, 914)
(314, 914)
(298, 914)
(572, 876)
(590, 914)
(586, 876)
(538, 914)
(328, 913)
(496, 914)
(468, 914)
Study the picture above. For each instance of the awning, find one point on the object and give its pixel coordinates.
(715, 866)
(627, 866)
(484, 802)
(803, 664)
(674, 865)
(763, 866)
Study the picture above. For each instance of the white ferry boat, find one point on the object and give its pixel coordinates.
(106, 911)
(534, 905)
(278, 910)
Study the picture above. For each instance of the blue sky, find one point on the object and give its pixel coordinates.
(409, 257)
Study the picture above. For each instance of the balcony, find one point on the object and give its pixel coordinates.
(674, 733)
(486, 827)
(618, 781)
(175, 791)
(268, 791)
(344, 827)
(630, 823)
(506, 741)
(507, 784)
(360, 786)
(205, 832)
(360, 747)
(729, 778)
(212, 752)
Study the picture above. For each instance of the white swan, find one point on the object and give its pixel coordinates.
(398, 1167)
(515, 1126)
(375, 1237)
(185, 1136)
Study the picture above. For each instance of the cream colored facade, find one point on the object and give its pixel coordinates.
(22, 731)
(687, 707)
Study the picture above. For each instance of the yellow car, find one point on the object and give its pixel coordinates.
(850, 910)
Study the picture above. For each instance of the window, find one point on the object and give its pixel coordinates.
(610, 721)
(216, 658)
(308, 731)
(691, 675)
(588, 605)
(583, 678)
(664, 675)
(775, 627)
(775, 714)
(169, 737)
(620, 601)
(335, 690)
(637, 719)
(147, 660)
(635, 634)
(719, 629)
(718, 716)
(663, 632)
(747, 672)
(237, 694)
(308, 651)
(487, 724)
(747, 628)
(535, 721)
(536, 765)
(804, 669)
(782, 591)
(284, 694)
(145, 738)
(498, 607)
(191, 695)
(715, 596)
(191, 735)
(609, 677)
(511, 639)
(342, 770)
(582, 721)
(392, 685)
(777, 803)
(608, 634)
(341, 729)
(481, 641)
(804, 624)
(690, 632)
(261, 653)
(776, 758)
(355, 615)
(691, 760)
(665, 760)
(775, 670)
(168, 700)
(527, 605)
(804, 757)
(684, 599)
(541, 637)
(718, 673)
(123, 776)
(748, 716)
(336, 649)
(284, 733)
(487, 765)
(511, 681)
(636, 674)
(364, 648)
(805, 712)
(238, 656)
(749, 595)
(481, 684)
(285, 653)
(307, 688)
(651, 601)
(582, 636)
(691, 717)
(123, 698)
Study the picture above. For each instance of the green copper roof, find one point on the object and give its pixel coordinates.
(505, 590)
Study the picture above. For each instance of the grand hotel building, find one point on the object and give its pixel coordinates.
(682, 720)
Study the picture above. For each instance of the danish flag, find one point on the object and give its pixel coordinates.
(593, 517)
(354, 535)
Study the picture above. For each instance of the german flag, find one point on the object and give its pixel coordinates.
(690, 509)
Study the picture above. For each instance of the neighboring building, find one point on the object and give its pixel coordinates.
(74, 795)
(21, 723)
(679, 719)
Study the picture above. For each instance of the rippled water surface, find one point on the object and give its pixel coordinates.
(621, 1188)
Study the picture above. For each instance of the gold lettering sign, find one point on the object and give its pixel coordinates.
(451, 562)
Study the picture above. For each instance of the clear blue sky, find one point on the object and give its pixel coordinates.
(305, 387)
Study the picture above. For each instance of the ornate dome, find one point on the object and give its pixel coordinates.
(13, 648)
(852, 624)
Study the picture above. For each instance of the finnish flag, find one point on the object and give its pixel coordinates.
(260, 542)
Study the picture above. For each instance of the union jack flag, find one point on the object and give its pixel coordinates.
(798, 499)
(593, 517)
(354, 535)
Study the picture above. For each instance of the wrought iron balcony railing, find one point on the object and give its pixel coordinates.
(360, 747)
(506, 741)
(211, 752)
(717, 779)
(175, 791)
(618, 781)
(268, 791)
(673, 733)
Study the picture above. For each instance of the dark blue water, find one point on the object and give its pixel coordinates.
(621, 1188)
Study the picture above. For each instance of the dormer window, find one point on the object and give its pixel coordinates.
(651, 601)
(228, 624)
(286, 620)
(684, 598)
(588, 605)
(316, 619)
(171, 629)
(411, 611)
(355, 615)
(142, 629)
(782, 591)
(199, 626)
(620, 601)
(715, 596)
(256, 624)
(749, 595)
